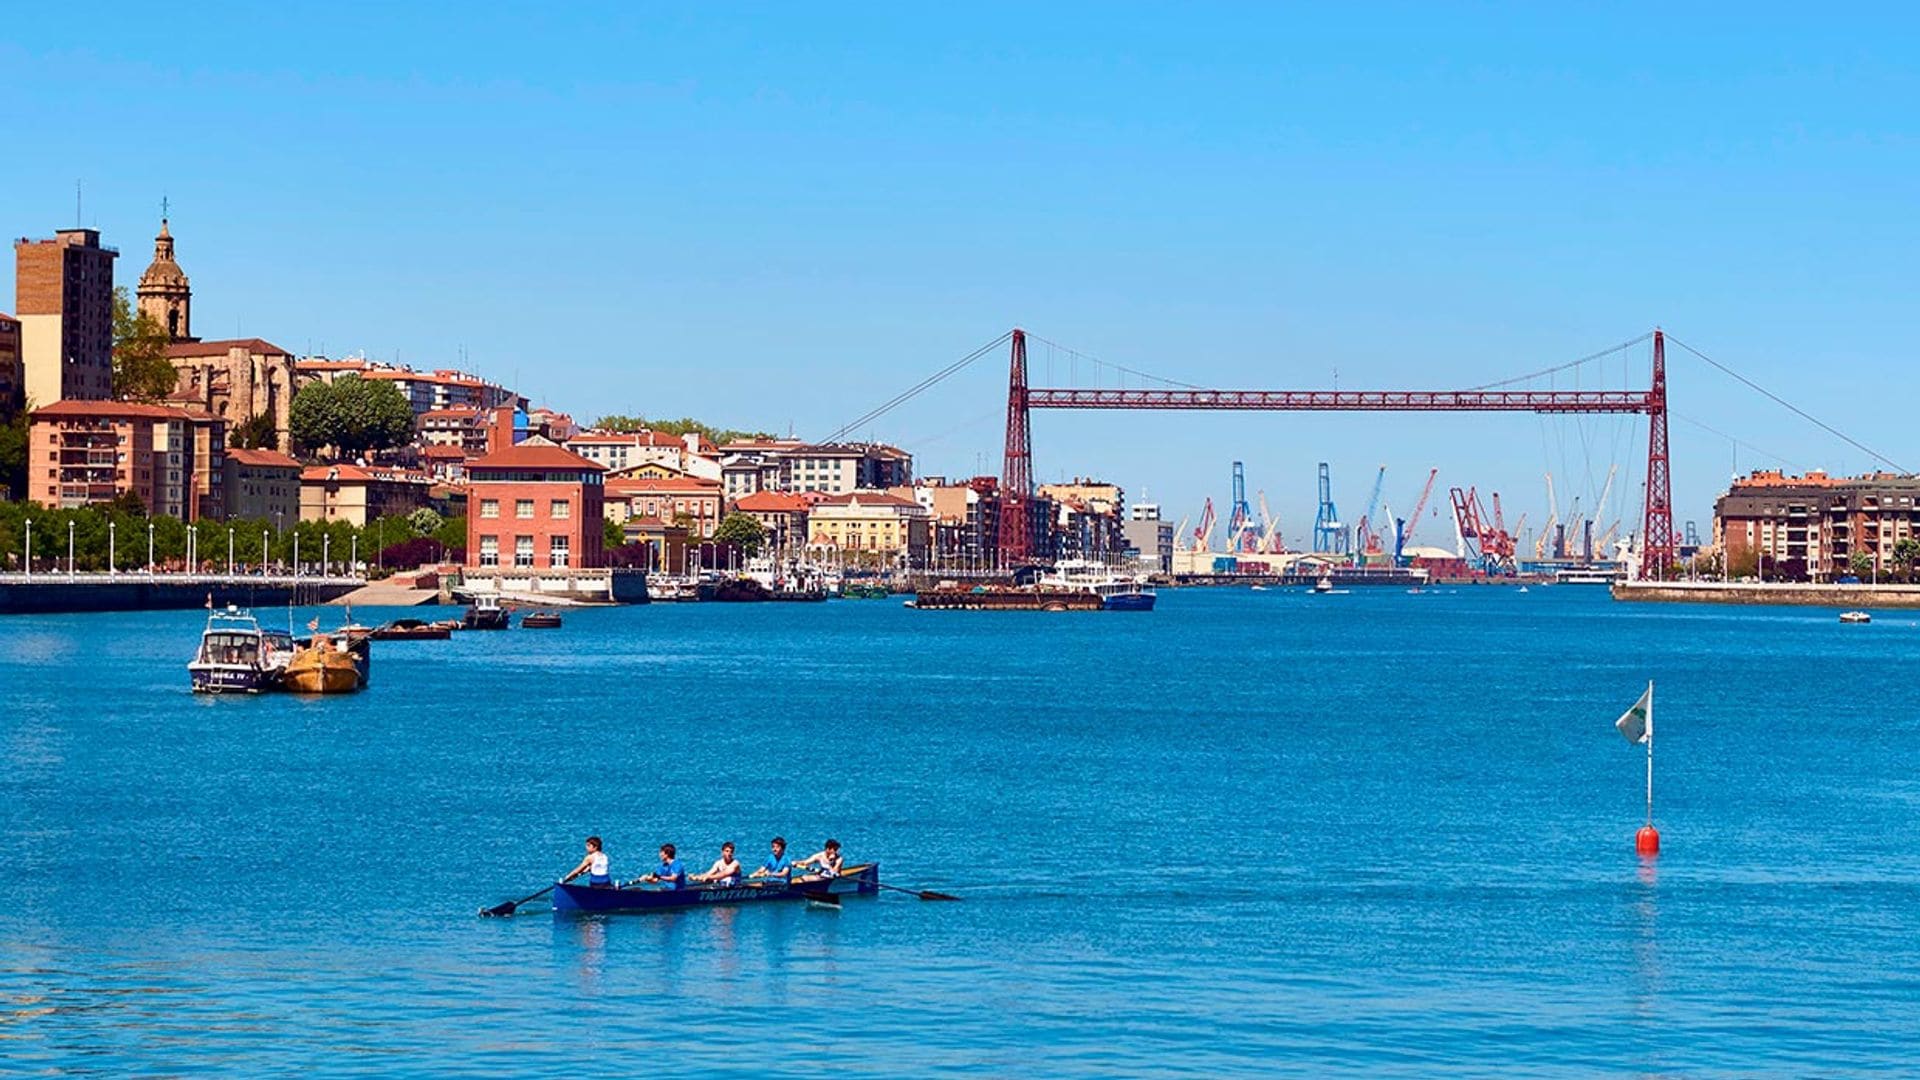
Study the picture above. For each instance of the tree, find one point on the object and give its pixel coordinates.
(611, 535)
(350, 414)
(255, 433)
(141, 371)
(1860, 563)
(1905, 551)
(425, 521)
(13, 455)
(742, 531)
(684, 426)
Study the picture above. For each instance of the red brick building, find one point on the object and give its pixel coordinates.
(534, 507)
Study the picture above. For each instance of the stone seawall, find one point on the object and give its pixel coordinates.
(51, 594)
(1714, 592)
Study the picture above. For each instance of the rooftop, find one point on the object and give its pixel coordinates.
(252, 346)
(535, 457)
(246, 456)
(123, 409)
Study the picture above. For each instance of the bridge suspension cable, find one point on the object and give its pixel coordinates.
(917, 389)
(1791, 407)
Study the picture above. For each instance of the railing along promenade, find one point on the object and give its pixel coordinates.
(61, 590)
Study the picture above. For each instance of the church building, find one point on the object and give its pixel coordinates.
(235, 380)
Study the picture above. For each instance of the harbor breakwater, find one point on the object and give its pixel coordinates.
(43, 594)
(1770, 592)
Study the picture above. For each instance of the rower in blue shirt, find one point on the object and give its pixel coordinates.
(776, 865)
(668, 873)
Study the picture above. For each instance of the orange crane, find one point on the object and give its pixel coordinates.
(1405, 539)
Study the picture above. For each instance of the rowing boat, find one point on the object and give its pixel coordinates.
(588, 900)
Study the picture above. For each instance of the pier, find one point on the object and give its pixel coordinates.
(46, 593)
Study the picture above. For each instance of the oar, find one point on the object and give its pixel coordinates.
(507, 908)
(924, 894)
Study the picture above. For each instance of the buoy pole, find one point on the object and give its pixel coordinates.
(1647, 840)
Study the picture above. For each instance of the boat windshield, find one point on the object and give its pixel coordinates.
(229, 648)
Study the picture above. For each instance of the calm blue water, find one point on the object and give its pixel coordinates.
(1248, 833)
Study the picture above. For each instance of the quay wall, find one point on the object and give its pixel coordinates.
(1771, 592)
(56, 593)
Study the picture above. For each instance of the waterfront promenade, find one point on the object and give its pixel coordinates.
(1799, 593)
(46, 592)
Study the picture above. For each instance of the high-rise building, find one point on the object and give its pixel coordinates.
(10, 373)
(63, 296)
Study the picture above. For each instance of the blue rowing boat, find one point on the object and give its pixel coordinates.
(588, 900)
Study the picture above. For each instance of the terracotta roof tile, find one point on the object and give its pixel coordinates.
(246, 456)
(535, 457)
(221, 348)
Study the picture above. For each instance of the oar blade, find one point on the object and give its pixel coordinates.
(499, 910)
(929, 894)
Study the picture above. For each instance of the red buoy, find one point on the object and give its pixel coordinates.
(1647, 840)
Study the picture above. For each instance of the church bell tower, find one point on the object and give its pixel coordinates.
(164, 293)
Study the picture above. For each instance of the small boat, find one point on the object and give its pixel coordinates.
(1855, 617)
(449, 625)
(540, 620)
(1324, 584)
(326, 664)
(485, 614)
(589, 900)
(1523, 588)
(411, 630)
(237, 656)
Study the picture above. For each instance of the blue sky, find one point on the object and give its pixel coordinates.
(781, 215)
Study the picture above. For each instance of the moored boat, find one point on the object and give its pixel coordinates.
(1117, 591)
(411, 630)
(485, 614)
(1855, 617)
(328, 664)
(863, 880)
(237, 656)
(540, 620)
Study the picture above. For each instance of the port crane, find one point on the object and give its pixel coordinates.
(1483, 538)
(1407, 527)
(1366, 539)
(1203, 533)
(1270, 540)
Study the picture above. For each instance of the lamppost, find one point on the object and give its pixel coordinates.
(263, 553)
(353, 558)
(111, 567)
(29, 549)
(193, 548)
(296, 552)
(326, 546)
(149, 547)
(229, 551)
(70, 524)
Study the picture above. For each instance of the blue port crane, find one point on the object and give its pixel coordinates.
(1240, 527)
(1329, 536)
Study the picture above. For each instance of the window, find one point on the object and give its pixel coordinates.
(523, 551)
(489, 551)
(523, 509)
(558, 550)
(489, 508)
(561, 510)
